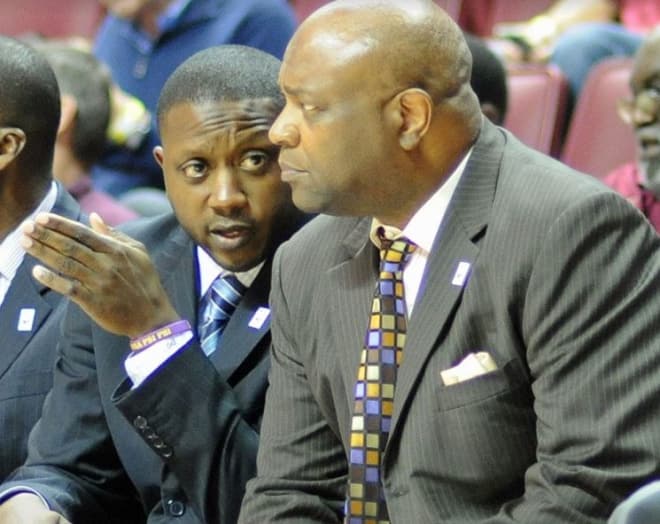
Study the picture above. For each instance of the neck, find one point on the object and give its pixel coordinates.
(17, 201)
(147, 18)
(67, 168)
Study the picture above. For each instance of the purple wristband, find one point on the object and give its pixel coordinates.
(166, 331)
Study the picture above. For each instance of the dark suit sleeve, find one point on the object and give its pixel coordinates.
(71, 461)
(301, 460)
(191, 417)
(590, 323)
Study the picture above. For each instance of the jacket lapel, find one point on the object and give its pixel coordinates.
(24, 298)
(351, 285)
(25, 295)
(456, 246)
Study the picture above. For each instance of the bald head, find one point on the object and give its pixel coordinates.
(401, 44)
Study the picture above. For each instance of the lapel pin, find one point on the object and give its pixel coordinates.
(260, 316)
(26, 319)
(462, 272)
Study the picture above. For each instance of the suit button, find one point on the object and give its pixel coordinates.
(166, 452)
(140, 422)
(176, 508)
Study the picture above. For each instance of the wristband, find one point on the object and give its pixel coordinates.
(166, 331)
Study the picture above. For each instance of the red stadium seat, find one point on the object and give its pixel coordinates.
(597, 141)
(537, 106)
(50, 18)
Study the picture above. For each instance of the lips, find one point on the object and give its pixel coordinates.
(229, 236)
(289, 171)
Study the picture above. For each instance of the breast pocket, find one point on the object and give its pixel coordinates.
(509, 377)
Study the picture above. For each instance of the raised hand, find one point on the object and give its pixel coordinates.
(107, 273)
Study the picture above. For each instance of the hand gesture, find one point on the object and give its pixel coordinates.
(107, 273)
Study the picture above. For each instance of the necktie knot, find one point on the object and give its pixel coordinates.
(217, 307)
(395, 254)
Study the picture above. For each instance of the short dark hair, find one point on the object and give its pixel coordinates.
(489, 77)
(222, 73)
(80, 75)
(29, 100)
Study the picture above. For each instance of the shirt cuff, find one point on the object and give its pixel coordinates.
(17, 490)
(139, 366)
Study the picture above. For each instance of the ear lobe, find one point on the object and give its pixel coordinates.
(12, 142)
(68, 116)
(416, 109)
(158, 155)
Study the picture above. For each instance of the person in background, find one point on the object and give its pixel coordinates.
(29, 311)
(639, 181)
(577, 34)
(469, 331)
(85, 86)
(488, 79)
(164, 354)
(142, 42)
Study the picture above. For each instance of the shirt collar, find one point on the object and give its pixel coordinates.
(11, 251)
(425, 223)
(209, 270)
(169, 18)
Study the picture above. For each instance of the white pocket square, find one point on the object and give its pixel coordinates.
(471, 366)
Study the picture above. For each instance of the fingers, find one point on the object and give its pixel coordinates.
(66, 235)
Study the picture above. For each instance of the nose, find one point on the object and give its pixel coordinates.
(227, 193)
(284, 132)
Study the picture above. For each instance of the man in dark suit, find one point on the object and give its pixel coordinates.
(29, 311)
(509, 372)
(177, 439)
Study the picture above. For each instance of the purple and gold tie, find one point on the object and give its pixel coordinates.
(374, 389)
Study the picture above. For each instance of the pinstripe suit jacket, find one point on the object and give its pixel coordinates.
(27, 357)
(106, 453)
(563, 294)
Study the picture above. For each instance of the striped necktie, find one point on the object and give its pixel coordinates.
(374, 389)
(216, 309)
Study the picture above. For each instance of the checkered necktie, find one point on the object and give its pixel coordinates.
(216, 309)
(374, 389)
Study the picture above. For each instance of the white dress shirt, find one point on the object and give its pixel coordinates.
(11, 251)
(422, 230)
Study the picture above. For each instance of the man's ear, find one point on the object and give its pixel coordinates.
(415, 109)
(68, 116)
(12, 142)
(158, 155)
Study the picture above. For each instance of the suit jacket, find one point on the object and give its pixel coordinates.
(27, 357)
(104, 452)
(562, 292)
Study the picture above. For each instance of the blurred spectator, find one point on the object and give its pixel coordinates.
(85, 99)
(639, 181)
(488, 79)
(576, 34)
(143, 41)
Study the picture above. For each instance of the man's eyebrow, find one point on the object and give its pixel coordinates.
(289, 90)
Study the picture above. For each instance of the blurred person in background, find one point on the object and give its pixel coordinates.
(639, 181)
(85, 86)
(142, 42)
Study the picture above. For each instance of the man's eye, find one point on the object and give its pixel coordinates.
(254, 161)
(309, 107)
(194, 169)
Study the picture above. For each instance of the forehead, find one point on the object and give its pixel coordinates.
(190, 121)
(647, 61)
(320, 59)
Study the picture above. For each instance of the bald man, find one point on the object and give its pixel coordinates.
(506, 367)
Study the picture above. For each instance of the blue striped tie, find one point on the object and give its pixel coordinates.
(216, 309)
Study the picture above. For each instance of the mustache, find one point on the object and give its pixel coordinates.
(226, 224)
